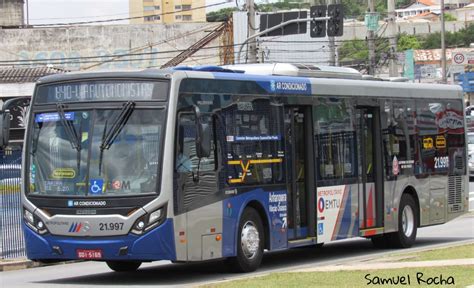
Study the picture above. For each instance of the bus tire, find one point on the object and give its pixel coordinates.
(407, 223)
(124, 266)
(250, 242)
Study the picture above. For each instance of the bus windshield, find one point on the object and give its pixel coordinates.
(97, 152)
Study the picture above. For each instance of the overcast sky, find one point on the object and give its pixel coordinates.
(60, 11)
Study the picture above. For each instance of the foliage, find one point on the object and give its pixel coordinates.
(406, 42)
(449, 17)
(353, 50)
(220, 15)
(353, 9)
(462, 38)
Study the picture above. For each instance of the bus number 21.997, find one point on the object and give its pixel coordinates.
(110, 226)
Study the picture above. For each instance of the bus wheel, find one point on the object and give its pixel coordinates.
(250, 242)
(407, 223)
(123, 266)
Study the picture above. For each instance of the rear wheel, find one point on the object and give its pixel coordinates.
(123, 266)
(407, 223)
(407, 227)
(250, 242)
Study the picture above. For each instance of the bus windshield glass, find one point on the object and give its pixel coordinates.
(97, 152)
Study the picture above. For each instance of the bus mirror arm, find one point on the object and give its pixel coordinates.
(4, 128)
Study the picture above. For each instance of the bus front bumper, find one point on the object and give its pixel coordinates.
(157, 244)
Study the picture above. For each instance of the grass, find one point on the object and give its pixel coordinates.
(457, 252)
(461, 276)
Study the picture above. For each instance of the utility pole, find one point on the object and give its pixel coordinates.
(332, 45)
(252, 45)
(392, 34)
(371, 42)
(443, 47)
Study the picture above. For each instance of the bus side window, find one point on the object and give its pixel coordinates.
(186, 157)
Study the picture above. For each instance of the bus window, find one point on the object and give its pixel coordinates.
(399, 136)
(197, 177)
(335, 139)
(254, 143)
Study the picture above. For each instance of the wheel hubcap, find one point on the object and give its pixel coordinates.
(408, 221)
(250, 240)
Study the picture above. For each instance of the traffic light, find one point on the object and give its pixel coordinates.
(318, 27)
(336, 23)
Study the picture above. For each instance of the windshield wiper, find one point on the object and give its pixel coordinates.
(108, 137)
(72, 134)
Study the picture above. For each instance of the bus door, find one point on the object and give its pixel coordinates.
(371, 169)
(300, 171)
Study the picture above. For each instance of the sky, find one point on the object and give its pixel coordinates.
(61, 11)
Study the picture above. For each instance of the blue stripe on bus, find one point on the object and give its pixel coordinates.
(157, 244)
(272, 84)
(346, 218)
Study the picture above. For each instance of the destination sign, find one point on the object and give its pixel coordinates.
(102, 91)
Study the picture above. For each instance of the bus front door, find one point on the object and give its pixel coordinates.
(371, 169)
(301, 188)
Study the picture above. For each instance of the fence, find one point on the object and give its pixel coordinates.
(12, 244)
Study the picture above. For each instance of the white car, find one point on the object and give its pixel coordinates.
(470, 161)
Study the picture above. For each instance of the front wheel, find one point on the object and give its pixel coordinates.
(123, 266)
(249, 242)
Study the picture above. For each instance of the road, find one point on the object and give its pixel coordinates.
(165, 274)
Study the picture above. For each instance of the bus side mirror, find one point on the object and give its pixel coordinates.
(203, 135)
(4, 128)
(203, 142)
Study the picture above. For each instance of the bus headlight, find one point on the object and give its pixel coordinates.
(34, 222)
(149, 221)
(29, 217)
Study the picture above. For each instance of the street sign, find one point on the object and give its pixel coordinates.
(270, 20)
(463, 57)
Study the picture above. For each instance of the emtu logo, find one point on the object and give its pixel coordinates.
(77, 227)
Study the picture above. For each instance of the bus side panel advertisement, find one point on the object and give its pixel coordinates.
(337, 213)
(275, 204)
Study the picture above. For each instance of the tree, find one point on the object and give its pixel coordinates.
(462, 38)
(407, 42)
(220, 15)
(449, 17)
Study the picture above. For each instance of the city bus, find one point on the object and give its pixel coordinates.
(202, 163)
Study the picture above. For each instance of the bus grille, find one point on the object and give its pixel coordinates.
(456, 189)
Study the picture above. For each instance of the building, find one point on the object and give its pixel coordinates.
(465, 14)
(11, 13)
(105, 47)
(166, 11)
(417, 8)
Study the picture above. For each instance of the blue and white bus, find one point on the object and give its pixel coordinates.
(193, 164)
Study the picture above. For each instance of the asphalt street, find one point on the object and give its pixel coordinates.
(166, 274)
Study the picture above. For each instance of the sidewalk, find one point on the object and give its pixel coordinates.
(18, 264)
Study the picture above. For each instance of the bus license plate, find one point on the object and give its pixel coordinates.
(89, 253)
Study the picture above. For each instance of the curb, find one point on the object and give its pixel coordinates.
(11, 265)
